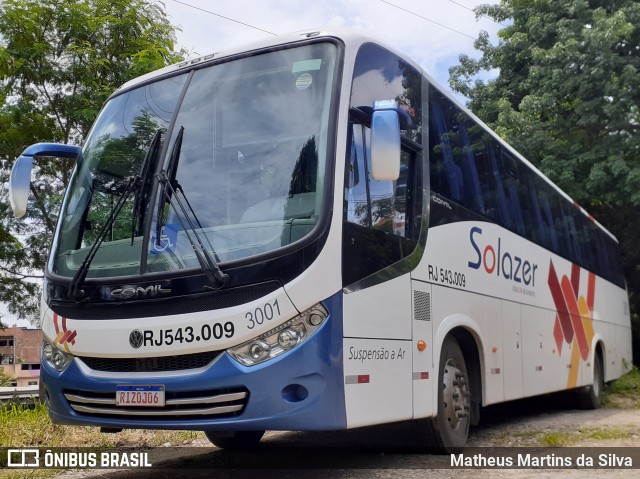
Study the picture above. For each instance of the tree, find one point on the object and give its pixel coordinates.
(568, 97)
(59, 62)
(5, 379)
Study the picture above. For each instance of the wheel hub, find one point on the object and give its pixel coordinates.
(455, 389)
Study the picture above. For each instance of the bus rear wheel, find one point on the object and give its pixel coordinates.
(447, 432)
(236, 440)
(590, 397)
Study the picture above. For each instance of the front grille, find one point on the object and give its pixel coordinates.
(144, 308)
(146, 365)
(184, 405)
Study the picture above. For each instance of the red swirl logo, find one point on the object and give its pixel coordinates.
(64, 336)
(574, 318)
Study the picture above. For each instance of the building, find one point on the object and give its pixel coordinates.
(20, 355)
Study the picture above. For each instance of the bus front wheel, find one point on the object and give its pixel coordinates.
(448, 430)
(236, 440)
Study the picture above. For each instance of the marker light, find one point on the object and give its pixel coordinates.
(54, 357)
(280, 339)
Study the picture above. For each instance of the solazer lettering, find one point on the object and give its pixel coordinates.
(499, 261)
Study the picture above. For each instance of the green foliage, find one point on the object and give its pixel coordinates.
(626, 386)
(30, 426)
(556, 439)
(568, 98)
(5, 379)
(59, 61)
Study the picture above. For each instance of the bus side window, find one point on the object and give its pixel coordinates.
(560, 213)
(382, 218)
(378, 204)
(510, 180)
(446, 176)
(538, 224)
(548, 215)
(482, 166)
(503, 210)
(358, 210)
(459, 163)
(473, 198)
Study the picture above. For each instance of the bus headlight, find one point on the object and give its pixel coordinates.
(56, 358)
(280, 339)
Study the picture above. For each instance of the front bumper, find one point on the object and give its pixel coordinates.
(301, 390)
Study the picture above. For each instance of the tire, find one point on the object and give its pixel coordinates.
(237, 440)
(590, 397)
(447, 432)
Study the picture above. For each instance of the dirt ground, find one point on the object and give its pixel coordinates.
(537, 422)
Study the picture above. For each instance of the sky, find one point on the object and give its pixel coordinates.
(431, 32)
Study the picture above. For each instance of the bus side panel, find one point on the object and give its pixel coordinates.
(378, 383)
(512, 351)
(482, 317)
(545, 369)
(617, 354)
(611, 320)
(381, 311)
(624, 349)
(377, 353)
(425, 375)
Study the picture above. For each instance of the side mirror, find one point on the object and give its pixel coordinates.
(20, 179)
(385, 140)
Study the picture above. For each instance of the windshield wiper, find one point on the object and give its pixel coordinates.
(171, 170)
(169, 194)
(141, 203)
(75, 288)
(139, 183)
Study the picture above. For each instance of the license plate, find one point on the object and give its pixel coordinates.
(140, 395)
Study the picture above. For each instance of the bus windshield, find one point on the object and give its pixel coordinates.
(250, 162)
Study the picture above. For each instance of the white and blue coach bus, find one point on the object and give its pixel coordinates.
(309, 234)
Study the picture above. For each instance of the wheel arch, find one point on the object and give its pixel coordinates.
(465, 331)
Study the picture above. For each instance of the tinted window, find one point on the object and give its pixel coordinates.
(382, 218)
(460, 163)
(381, 75)
(471, 168)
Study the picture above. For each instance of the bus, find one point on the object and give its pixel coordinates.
(308, 233)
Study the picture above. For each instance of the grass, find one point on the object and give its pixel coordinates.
(560, 439)
(623, 392)
(606, 434)
(30, 474)
(31, 426)
(556, 439)
(25, 426)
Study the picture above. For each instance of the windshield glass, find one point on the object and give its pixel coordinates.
(251, 163)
